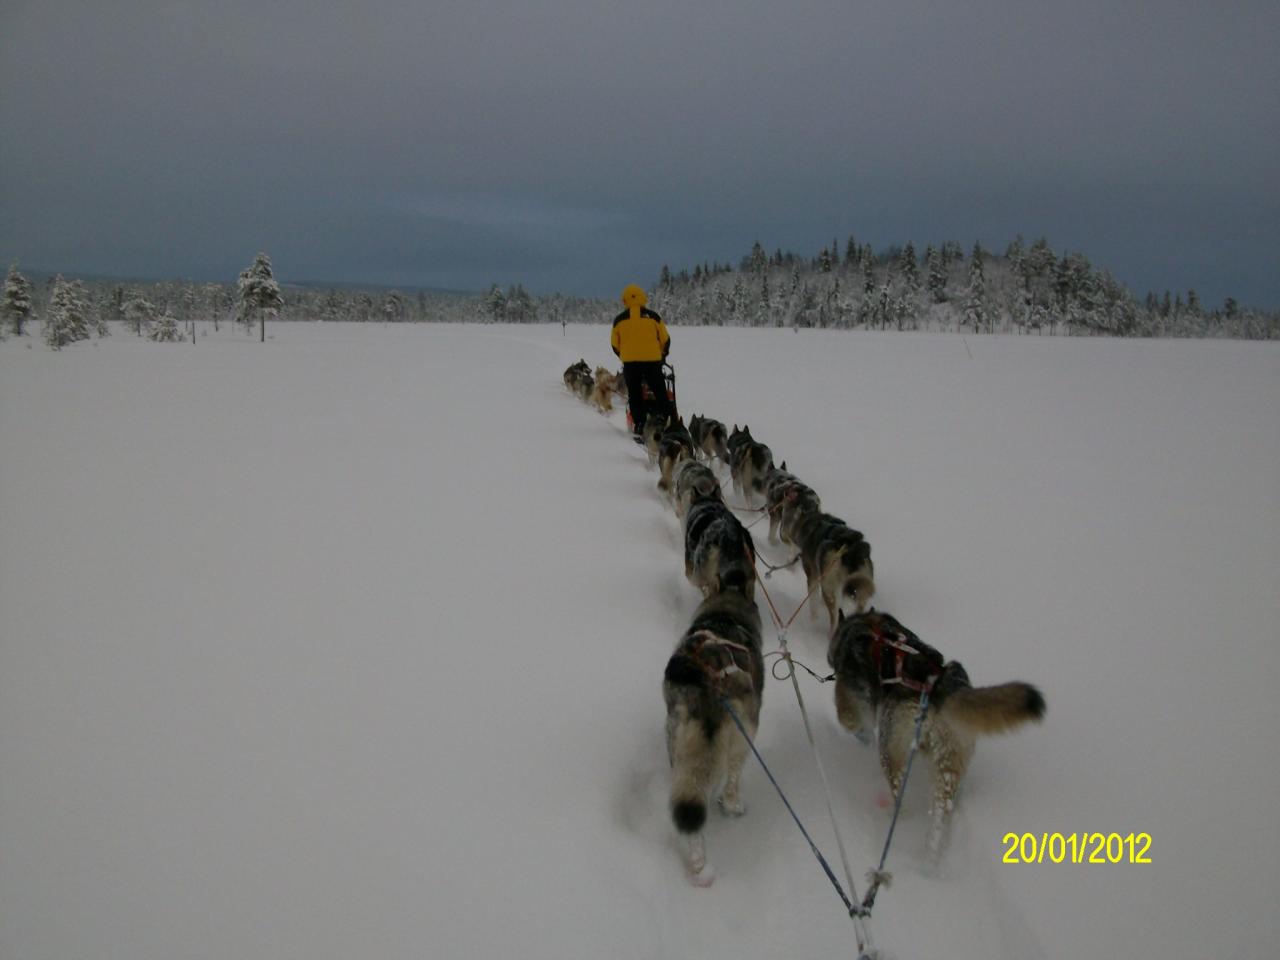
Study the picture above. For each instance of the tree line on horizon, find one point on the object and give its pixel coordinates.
(1027, 289)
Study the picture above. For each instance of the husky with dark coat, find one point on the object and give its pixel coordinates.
(692, 479)
(579, 380)
(718, 658)
(880, 667)
(749, 463)
(836, 561)
(674, 446)
(718, 552)
(710, 438)
(787, 499)
(574, 372)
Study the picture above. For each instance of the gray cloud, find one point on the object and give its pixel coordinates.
(578, 146)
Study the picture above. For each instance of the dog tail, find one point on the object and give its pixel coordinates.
(738, 576)
(860, 588)
(693, 773)
(997, 709)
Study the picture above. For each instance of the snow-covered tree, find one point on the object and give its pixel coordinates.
(937, 267)
(165, 329)
(496, 304)
(975, 306)
(259, 294)
(520, 306)
(910, 268)
(16, 307)
(393, 307)
(138, 313)
(67, 317)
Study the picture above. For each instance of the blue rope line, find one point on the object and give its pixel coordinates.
(854, 911)
(869, 900)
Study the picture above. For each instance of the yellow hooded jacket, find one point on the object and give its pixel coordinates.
(638, 332)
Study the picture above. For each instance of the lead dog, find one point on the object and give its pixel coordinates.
(880, 667)
(717, 660)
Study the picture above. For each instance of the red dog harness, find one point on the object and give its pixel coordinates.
(902, 649)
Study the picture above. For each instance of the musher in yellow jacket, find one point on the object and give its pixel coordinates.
(641, 341)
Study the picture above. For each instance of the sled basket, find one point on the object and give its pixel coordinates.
(669, 381)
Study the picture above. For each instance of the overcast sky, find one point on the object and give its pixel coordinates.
(578, 146)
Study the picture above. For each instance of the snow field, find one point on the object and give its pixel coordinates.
(351, 643)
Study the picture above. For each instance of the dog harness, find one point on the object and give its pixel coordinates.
(902, 649)
(705, 638)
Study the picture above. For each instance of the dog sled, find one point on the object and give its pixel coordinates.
(669, 381)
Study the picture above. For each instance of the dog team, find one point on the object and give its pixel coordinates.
(880, 667)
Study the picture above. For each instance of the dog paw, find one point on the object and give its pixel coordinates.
(703, 877)
(732, 808)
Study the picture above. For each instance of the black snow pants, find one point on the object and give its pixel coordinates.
(649, 372)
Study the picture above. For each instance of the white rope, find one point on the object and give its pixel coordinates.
(859, 922)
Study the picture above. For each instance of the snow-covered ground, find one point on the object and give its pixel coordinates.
(350, 644)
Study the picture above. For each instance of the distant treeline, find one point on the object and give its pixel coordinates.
(139, 304)
(1027, 289)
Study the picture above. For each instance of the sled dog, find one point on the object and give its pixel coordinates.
(749, 463)
(691, 479)
(787, 499)
(837, 563)
(675, 445)
(718, 552)
(574, 373)
(579, 380)
(880, 667)
(718, 659)
(602, 391)
(709, 439)
(651, 433)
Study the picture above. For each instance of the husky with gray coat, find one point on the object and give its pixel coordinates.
(674, 446)
(749, 463)
(718, 552)
(787, 500)
(651, 433)
(710, 438)
(691, 479)
(717, 661)
(837, 563)
(880, 667)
